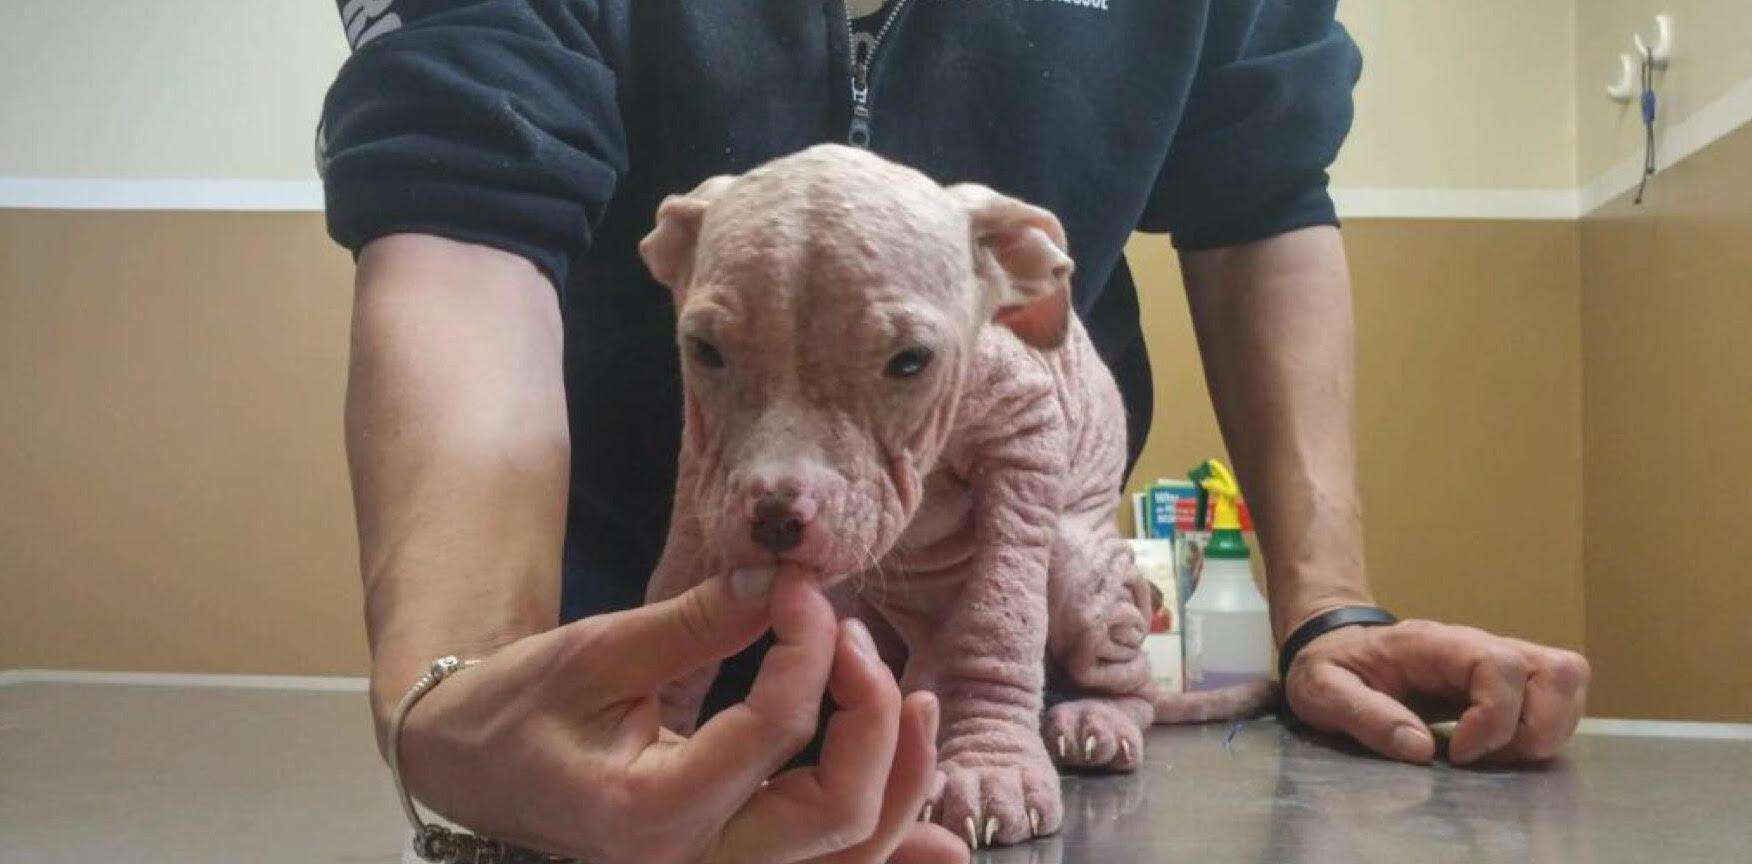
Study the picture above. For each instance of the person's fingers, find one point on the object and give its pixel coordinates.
(909, 780)
(717, 769)
(649, 646)
(862, 736)
(1496, 683)
(1515, 700)
(1481, 671)
(1555, 696)
(837, 804)
(1331, 698)
(930, 843)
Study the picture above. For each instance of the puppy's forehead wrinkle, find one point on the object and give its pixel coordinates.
(853, 208)
(711, 312)
(899, 324)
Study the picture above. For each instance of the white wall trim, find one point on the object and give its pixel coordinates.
(79, 193)
(1674, 144)
(1666, 729)
(178, 679)
(1438, 203)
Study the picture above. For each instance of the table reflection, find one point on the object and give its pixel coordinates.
(1268, 795)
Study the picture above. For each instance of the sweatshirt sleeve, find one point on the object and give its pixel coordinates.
(487, 121)
(1269, 108)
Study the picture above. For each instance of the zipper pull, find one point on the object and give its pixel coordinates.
(859, 133)
(863, 51)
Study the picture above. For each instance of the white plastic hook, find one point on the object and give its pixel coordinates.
(1660, 53)
(1625, 89)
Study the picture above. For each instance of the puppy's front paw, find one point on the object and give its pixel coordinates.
(1099, 733)
(996, 799)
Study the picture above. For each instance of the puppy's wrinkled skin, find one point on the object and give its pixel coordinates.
(884, 382)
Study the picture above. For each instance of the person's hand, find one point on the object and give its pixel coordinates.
(1516, 701)
(554, 742)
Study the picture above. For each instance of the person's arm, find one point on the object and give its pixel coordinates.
(457, 441)
(1273, 321)
(1274, 325)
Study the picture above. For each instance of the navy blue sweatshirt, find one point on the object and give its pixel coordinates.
(552, 128)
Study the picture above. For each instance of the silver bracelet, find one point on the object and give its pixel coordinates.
(433, 842)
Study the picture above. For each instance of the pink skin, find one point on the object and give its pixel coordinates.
(969, 497)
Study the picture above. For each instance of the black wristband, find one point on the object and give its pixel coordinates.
(1324, 623)
(1313, 628)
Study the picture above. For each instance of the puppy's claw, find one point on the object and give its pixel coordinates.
(972, 833)
(1034, 821)
(1089, 747)
(1124, 752)
(991, 829)
(1063, 751)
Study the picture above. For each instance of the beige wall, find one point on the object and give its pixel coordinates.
(1667, 309)
(227, 89)
(1469, 94)
(1459, 406)
(172, 489)
(1668, 374)
(1713, 56)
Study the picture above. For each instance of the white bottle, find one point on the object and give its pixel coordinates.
(1228, 626)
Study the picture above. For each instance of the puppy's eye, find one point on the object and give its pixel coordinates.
(705, 353)
(908, 363)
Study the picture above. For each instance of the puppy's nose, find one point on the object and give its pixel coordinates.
(778, 523)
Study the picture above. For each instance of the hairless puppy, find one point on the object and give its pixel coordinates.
(884, 383)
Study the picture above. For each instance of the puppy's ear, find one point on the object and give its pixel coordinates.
(1020, 259)
(668, 250)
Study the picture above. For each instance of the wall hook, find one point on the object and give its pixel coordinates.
(1661, 52)
(1624, 90)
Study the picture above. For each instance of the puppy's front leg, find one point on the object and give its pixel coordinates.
(986, 660)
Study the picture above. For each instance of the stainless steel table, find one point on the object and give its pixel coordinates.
(110, 773)
(1270, 796)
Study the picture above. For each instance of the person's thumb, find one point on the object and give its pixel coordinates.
(1331, 698)
(642, 649)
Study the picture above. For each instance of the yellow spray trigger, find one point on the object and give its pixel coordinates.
(1219, 483)
(1223, 493)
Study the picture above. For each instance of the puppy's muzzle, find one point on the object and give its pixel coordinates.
(777, 523)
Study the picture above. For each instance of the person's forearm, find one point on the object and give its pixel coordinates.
(1275, 329)
(457, 440)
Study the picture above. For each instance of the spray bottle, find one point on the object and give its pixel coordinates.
(1228, 627)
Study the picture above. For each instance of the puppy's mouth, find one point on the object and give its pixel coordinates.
(818, 552)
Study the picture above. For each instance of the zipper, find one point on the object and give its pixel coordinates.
(863, 56)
